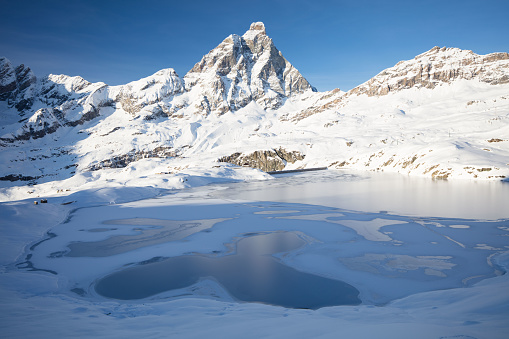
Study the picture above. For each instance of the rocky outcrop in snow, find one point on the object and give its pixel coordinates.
(7, 78)
(48, 120)
(15, 83)
(121, 161)
(266, 160)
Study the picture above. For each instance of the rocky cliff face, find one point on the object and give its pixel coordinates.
(15, 85)
(44, 105)
(435, 67)
(243, 69)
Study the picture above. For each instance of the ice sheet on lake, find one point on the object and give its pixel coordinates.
(42, 304)
(397, 264)
(369, 229)
(377, 253)
(164, 231)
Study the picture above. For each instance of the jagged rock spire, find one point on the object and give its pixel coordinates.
(245, 69)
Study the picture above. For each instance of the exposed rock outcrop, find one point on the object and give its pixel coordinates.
(121, 161)
(15, 83)
(265, 160)
(7, 78)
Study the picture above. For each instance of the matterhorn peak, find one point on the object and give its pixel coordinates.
(245, 69)
(256, 28)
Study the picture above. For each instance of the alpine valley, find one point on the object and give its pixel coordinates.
(244, 108)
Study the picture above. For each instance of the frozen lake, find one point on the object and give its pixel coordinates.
(251, 274)
(374, 192)
(385, 236)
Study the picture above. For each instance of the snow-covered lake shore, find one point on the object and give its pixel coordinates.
(428, 258)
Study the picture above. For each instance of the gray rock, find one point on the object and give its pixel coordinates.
(265, 160)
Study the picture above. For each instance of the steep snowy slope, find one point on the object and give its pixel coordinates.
(444, 114)
(150, 95)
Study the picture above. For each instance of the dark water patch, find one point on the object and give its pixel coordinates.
(79, 291)
(29, 266)
(58, 254)
(250, 275)
(99, 230)
(50, 235)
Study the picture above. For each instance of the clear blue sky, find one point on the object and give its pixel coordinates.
(333, 43)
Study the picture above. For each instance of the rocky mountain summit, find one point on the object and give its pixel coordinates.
(243, 69)
(443, 114)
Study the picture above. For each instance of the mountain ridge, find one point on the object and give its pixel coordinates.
(432, 68)
(244, 97)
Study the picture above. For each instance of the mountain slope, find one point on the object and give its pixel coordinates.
(444, 114)
(434, 68)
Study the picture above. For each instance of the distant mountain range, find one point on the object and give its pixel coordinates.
(443, 114)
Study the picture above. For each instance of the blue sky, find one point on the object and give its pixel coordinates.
(333, 43)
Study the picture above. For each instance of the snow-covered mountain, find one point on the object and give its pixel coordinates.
(243, 69)
(443, 114)
(436, 67)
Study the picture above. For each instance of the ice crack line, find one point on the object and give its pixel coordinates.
(423, 224)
